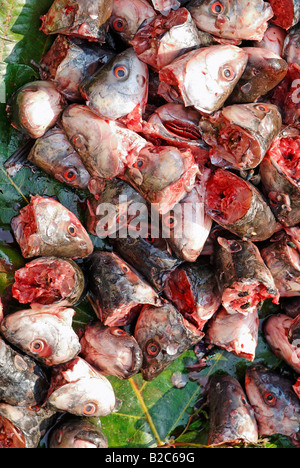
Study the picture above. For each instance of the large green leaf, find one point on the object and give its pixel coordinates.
(152, 413)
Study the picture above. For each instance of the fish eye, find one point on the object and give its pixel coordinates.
(152, 348)
(139, 164)
(119, 24)
(269, 399)
(120, 72)
(150, 239)
(169, 221)
(78, 141)
(228, 73)
(262, 108)
(70, 175)
(34, 408)
(37, 346)
(89, 409)
(59, 436)
(244, 401)
(72, 230)
(125, 268)
(120, 218)
(217, 8)
(118, 332)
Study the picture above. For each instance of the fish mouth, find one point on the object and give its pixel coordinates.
(186, 132)
(83, 443)
(130, 361)
(86, 246)
(87, 439)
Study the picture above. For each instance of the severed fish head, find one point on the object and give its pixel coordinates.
(163, 335)
(79, 389)
(203, 78)
(55, 155)
(35, 108)
(77, 433)
(117, 290)
(111, 350)
(49, 280)
(119, 87)
(80, 18)
(232, 418)
(45, 334)
(45, 227)
(128, 15)
(232, 19)
(276, 405)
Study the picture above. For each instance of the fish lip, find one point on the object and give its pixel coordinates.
(88, 436)
(137, 360)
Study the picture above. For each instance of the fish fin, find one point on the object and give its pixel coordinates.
(19, 158)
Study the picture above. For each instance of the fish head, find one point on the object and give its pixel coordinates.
(71, 171)
(211, 75)
(111, 350)
(128, 15)
(77, 433)
(119, 87)
(161, 336)
(232, 19)
(113, 209)
(276, 405)
(42, 334)
(94, 140)
(11, 435)
(35, 108)
(261, 118)
(54, 154)
(232, 417)
(212, 15)
(61, 230)
(175, 122)
(80, 390)
(118, 290)
(157, 167)
(82, 19)
(129, 355)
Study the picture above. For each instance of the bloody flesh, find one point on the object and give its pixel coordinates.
(44, 283)
(286, 12)
(286, 153)
(244, 279)
(10, 435)
(180, 289)
(238, 205)
(194, 291)
(229, 198)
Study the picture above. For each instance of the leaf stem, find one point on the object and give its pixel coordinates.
(14, 185)
(145, 409)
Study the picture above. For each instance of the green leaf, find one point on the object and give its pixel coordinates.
(152, 413)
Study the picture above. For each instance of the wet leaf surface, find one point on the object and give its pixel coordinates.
(153, 413)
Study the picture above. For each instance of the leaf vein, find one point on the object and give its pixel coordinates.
(145, 409)
(6, 29)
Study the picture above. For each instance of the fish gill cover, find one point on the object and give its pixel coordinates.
(154, 413)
